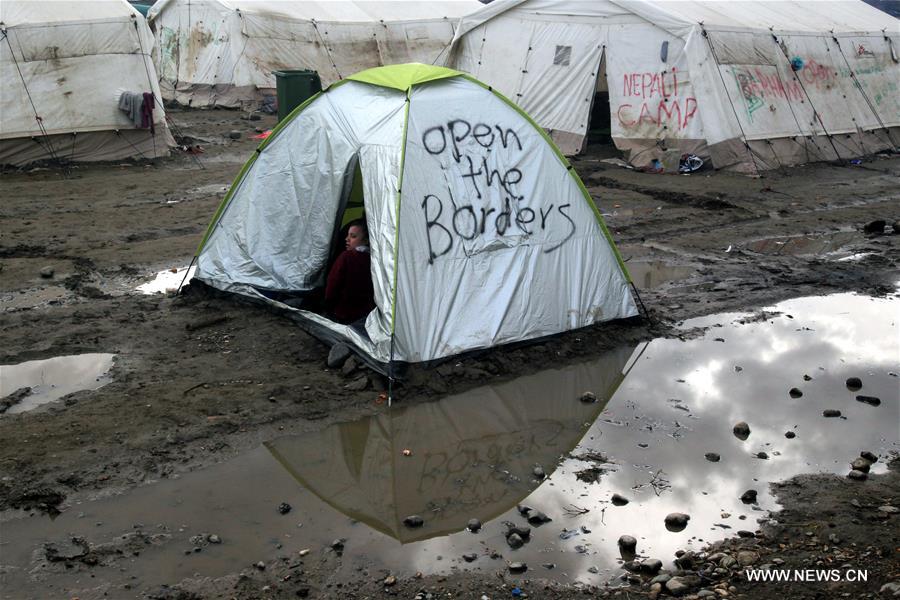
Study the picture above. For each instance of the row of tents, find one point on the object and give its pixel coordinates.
(748, 86)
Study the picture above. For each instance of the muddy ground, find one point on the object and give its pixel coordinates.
(185, 397)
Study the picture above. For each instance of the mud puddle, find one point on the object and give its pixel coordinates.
(37, 382)
(662, 411)
(652, 274)
(167, 280)
(806, 245)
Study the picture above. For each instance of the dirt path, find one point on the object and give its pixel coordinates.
(182, 398)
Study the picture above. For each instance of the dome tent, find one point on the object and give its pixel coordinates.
(481, 233)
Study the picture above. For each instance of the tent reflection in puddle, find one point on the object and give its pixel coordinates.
(472, 454)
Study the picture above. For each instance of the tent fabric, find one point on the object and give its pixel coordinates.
(480, 231)
(223, 53)
(358, 468)
(749, 85)
(50, 58)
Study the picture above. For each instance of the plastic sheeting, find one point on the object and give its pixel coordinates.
(63, 67)
(497, 241)
(678, 86)
(212, 52)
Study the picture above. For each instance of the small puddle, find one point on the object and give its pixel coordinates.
(661, 408)
(53, 378)
(803, 245)
(166, 281)
(647, 275)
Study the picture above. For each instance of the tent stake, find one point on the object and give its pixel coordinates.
(641, 302)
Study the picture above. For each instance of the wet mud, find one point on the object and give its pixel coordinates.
(168, 481)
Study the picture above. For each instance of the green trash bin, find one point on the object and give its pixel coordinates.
(293, 88)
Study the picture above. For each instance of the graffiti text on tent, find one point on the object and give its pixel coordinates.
(437, 140)
(653, 98)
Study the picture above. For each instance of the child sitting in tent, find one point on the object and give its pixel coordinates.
(349, 296)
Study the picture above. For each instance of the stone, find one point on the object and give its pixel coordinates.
(677, 521)
(413, 521)
(522, 531)
(680, 585)
(627, 544)
(869, 456)
(762, 455)
(651, 566)
(875, 227)
(712, 457)
(741, 430)
(260, 565)
(888, 509)
(831, 412)
(861, 464)
(338, 545)
(655, 590)
(47, 272)
(536, 517)
(728, 562)
(790, 435)
(896, 226)
(473, 525)
(854, 383)
(515, 541)
(795, 393)
(871, 400)
(588, 398)
(661, 578)
(747, 557)
(685, 562)
(284, 508)
(748, 497)
(892, 588)
(743, 533)
(517, 567)
(390, 580)
(350, 365)
(213, 539)
(538, 472)
(338, 355)
(834, 539)
(358, 384)
(470, 557)
(619, 500)
(857, 475)
(234, 134)
(706, 594)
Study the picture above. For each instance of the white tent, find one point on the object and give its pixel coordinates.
(223, 52)
(63, 67)
(481, 232)
(751, 85)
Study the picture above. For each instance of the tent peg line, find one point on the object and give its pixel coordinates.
(641, 302)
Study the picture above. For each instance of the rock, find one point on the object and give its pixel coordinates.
(260, 565)
(253, 117)
(350, 365)
(661, 578)
(762, 455)
(888, 509)
(869, 456)
(234, 134)
(338, 354)
(284, 508)
(677, 521)
(795, 393)
(473, 525)
(470, 557)
(834, 539)
(854, 383)
(857, 475)
(536, 517)
(746, 558)
(522, 531)
(685, 562)
(741, 430)
(538, 472)
(358, 384)
(588, 398)
(892, 588)
(618, 500)
(872, 400)
(47, 272)
(896, 226)
(390, 580)
(790, 435)
(807, 378)
(515, 541)
(651, 566)
(680, 585)
(14, 398)
(831, 412)
(748, 497)
(861, 464)
(70, 549)
(518, 567)
(743, 533)
(338, 545)
(413, 521)
(655, 590)
(712, 457)
(549, 566)
(213, 539)
(627, 544)
(728, 562)
(875, 227)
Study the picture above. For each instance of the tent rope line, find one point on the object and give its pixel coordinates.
(136, 149)
(40, 121)
(327, 49)
(811, 105)
(144, 58)
(865, 96)
(234, 63)
(712, 50)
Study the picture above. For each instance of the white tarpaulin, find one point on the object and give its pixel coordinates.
(223, 52)
(751, 85)
(63, 67)
(492, 240)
